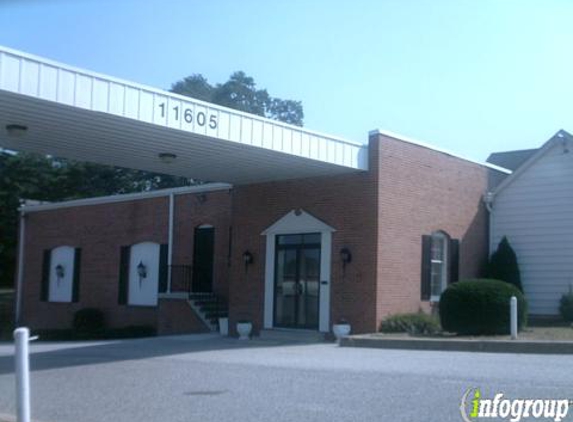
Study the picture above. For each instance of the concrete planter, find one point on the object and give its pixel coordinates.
(244, 329)
(341, 330)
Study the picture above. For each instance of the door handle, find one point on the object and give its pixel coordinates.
(324, 282)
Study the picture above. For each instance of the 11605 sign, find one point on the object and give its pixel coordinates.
(200, 118)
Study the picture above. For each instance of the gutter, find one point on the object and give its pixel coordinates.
(170, 240)
(488, 200)
(20, 279)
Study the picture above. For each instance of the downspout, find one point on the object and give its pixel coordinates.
(488, 200)
(170, 241)
(20, 279)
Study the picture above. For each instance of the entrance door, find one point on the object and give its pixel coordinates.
(203, 250)
(297, 281)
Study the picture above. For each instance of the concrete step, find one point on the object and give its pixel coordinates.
(288, 335)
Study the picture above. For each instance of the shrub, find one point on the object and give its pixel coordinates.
(89, 323)
(480, 307)
(566, 306)
(418, 323)
(503, 265)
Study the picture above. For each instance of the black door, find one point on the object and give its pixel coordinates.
(203, 250)
(297, 281)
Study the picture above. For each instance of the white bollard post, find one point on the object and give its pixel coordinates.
(513, 317)
(22, 339)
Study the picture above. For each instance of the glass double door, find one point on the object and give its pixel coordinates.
(297, 281)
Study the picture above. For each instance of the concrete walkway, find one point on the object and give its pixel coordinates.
(385, 341)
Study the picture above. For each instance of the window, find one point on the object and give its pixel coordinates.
(142, 273)
(440, 257)
(438, 265)
(61, 274)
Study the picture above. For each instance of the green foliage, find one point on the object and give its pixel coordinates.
(415, 324)
(89, 323)
(503, 265)
(566, 306)
(481, 306)
(240, 92)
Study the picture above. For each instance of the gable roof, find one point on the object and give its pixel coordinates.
(561, 137)
(511, 159)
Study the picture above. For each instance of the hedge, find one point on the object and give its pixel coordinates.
(480, 306)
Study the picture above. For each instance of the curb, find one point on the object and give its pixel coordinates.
(487, 346)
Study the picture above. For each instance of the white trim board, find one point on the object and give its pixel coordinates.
(209, 187)
(101, 76)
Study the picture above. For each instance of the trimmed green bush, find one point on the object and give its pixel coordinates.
(418, 323)
(89, 323)
(503, 265)
(480, 306)
(566, 306)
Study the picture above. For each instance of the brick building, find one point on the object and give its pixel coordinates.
(307, 229)
(409, 225)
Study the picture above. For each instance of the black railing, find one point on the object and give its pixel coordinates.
(181, 278)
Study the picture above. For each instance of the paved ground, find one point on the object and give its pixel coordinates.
(205, 378)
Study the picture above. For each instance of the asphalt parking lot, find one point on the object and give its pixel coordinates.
(208, 378)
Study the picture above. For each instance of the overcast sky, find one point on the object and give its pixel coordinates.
(469, 76)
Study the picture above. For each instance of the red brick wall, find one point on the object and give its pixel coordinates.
(380, 215)
(100, 230)
(345, 202)
(422, 191)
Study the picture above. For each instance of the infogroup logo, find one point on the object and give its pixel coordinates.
(474, 407)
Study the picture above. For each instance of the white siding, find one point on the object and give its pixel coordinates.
(535, 212)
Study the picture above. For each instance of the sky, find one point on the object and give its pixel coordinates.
(468, 76)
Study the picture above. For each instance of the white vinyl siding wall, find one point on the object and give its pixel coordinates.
(535, 212)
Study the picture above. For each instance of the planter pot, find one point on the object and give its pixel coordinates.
(224, 326)
(244, 329)
(341, 330)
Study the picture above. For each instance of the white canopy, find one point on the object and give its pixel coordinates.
(55, 109)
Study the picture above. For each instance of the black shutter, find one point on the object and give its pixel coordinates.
(123, 274)
(454, 261)
(45, 286)
(163, 269)
(426, 267)
(76, 281)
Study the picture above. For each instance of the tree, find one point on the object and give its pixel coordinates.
(503, 264)
(240, 92)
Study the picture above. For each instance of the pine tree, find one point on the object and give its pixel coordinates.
(503, 264)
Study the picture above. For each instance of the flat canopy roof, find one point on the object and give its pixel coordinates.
(82, 115)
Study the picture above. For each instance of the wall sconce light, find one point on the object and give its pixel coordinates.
(16, 130)
(247, 259)
(345, 257)
(60, 272)
(167, 157)
(141, 271)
